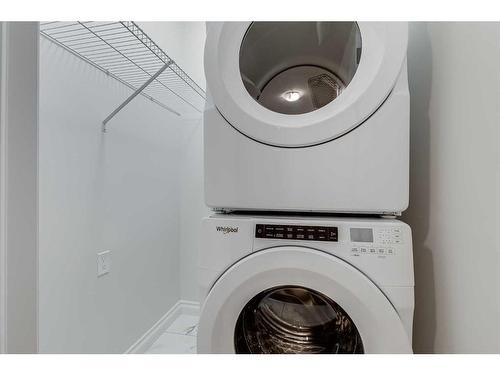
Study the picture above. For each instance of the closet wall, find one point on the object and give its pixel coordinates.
(121, 191)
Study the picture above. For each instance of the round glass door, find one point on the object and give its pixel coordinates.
(299, 67)
(293, 319)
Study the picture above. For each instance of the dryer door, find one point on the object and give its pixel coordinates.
(296, 84)
(298, 300)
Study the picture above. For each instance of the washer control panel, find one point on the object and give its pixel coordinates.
(390, 236)
(297, 232)
(375, 241)
(372, 250)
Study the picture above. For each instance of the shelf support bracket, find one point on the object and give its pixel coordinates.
(134, 94)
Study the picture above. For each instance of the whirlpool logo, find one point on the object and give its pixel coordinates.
(227, 230)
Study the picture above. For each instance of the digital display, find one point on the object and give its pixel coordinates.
(297, 232)
(361, 235)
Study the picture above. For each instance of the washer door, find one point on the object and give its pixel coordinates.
(298, 300)
(296, 84)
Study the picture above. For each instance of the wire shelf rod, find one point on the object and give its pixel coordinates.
(125, 83)
(137, 31)
(137, 92)
(124, 52)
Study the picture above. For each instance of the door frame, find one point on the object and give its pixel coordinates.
(19, 57)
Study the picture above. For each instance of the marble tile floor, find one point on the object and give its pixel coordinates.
(178, 338)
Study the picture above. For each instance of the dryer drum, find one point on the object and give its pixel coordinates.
(298, 67)
(293, 319)
(324, 88)
(314, 86)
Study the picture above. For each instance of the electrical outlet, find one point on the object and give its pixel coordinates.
(103, 263)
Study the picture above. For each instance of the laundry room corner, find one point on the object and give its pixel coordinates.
(222, 185)
(119, 193)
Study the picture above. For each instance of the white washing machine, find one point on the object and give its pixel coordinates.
(307, 116)
(275, 284)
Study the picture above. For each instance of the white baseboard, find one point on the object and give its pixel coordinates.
(146, 340)
(189, 307)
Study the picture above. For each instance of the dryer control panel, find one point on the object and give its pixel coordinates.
(297, 232)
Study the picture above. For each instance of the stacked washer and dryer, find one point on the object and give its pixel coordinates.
(306, 136)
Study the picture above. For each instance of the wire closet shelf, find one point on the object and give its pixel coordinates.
(125, 52)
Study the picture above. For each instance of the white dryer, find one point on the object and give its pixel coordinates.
(274, 284)
(307, 116)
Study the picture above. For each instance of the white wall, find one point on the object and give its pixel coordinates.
(455, 120)
(117, 191)
(185, 43)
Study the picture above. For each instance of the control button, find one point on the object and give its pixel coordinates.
(289, 235)
(310, 236)
(289, 229)
(332, 234)
(364, 250)
(390, 251)
(260, 230)
(300, 236)
(321, 238)
(355, 250)
(278, 235)
(373, 251)
(396, 230)
(381, 251)
(397, 241)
